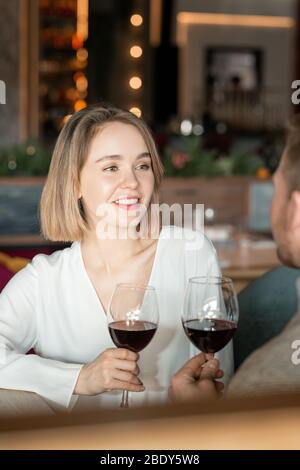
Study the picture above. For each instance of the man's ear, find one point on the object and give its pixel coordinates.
(294, 211)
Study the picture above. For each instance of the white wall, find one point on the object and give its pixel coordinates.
(276, 44)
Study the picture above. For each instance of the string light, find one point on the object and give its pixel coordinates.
(81, 83)
(135, 110)
(136, 51)
(82, 54)
(136, 20)
(135, 83)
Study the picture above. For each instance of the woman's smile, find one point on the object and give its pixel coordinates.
(128, 203)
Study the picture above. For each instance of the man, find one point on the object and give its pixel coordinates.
(273, 367)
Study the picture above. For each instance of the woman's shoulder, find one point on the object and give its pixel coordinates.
(41, 269)
(55, 260)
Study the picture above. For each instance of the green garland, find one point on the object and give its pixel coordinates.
(26, 159)
(188, 158)
(185, 159)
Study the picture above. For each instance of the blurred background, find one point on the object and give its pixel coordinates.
(213, 79)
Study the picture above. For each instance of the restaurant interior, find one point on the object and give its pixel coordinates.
(216, 81)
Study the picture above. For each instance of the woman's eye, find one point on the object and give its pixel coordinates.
(145, 166)
(111, 168)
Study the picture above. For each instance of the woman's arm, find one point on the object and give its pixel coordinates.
(53, 380)
(113, 369)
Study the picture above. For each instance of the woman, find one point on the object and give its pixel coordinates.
(104, 158)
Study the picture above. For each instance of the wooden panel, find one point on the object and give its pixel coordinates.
(265, 423)
(228, 196)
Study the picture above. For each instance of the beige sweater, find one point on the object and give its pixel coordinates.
(273, 368)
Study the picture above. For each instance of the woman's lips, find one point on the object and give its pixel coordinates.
(127, 205)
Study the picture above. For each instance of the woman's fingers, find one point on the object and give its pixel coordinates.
(129, 366)
(126, 377)
(125, 354)
(131, 387)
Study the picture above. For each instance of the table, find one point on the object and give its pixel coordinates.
(245, 260)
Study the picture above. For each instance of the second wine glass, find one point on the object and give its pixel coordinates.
(132, 319)
(210, 313)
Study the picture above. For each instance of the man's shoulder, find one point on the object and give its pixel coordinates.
(270, 368)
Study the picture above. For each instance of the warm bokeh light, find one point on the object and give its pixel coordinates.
(31, 150)
(136, 20)
(80, 104)
(155, 25)
(77, 75)
(224, 19)
(77, 42)
(135, 83)
(135, 110)
(71, 94)
(83, 19)
(136, 51)
(82, 54)
(81, 83)
(186, 127)
(186, 19)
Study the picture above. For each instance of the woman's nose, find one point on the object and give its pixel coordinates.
(129, 180)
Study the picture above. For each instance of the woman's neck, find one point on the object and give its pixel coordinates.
(109, 253)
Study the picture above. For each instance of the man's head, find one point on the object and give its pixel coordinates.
(286, 199)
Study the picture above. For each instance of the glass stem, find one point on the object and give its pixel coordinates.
(124, 402)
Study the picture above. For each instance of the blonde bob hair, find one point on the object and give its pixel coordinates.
(61, 212)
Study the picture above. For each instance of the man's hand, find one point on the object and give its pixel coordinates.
(196, 380)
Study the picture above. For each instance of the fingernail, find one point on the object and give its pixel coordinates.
(211, 365)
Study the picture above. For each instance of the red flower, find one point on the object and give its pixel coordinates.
(179, 160)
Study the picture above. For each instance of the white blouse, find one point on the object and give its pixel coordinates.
(52, 306)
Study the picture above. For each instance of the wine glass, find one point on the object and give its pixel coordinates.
(132, 319)
(210, 313)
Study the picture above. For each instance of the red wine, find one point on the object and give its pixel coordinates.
(133, 335)
(209, 335)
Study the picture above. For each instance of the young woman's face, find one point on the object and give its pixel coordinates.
(117, 180)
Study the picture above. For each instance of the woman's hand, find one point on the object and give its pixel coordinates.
(114, 369)
(196, 380)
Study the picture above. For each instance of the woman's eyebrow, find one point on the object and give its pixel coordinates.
(119, 157)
